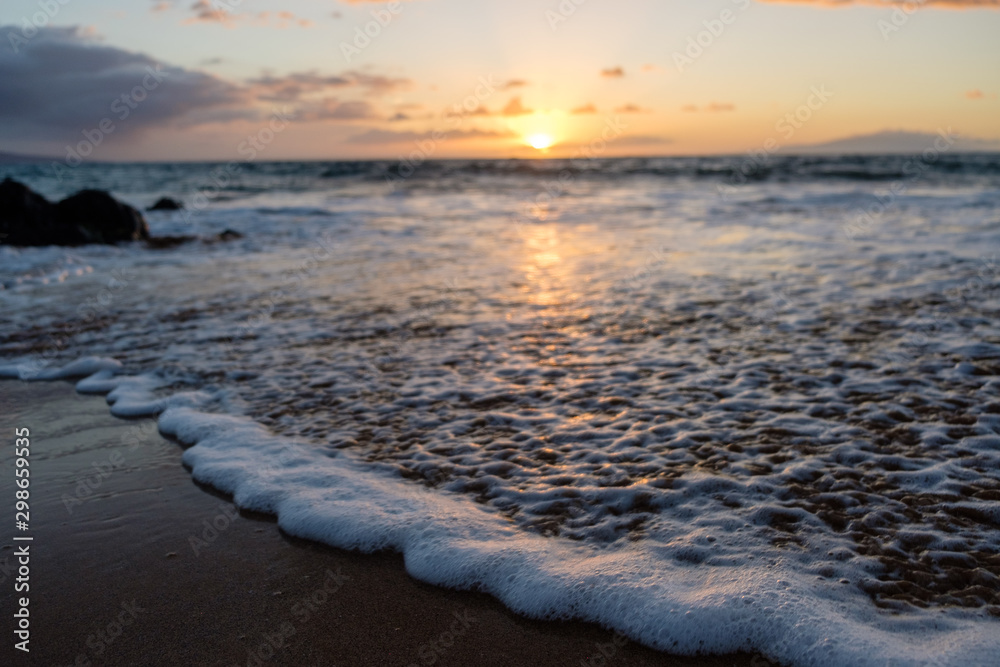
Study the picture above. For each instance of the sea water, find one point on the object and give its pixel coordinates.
(715, 405)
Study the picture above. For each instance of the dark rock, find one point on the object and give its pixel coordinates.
(101, 218)
(166, 204)
(27, 218)
(89, 216)
(166, 242)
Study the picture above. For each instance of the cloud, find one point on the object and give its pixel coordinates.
(378, 84)
(631, 108)
(975, 94)
(295, 86)
(586, 108)
(515, 108)
(514, 83)
(942, 4)
(332, 109)
(63, 81)
(613, 73)
(211, 12)
(204, 12)
(482, 111)
(714, 107)
(390, 137)
(353, 110)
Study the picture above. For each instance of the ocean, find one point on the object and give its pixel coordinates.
(717, 404)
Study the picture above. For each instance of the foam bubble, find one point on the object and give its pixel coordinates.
(716, 589)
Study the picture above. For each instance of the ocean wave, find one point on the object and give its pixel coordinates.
(722, 589)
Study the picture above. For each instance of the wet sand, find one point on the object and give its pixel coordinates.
(133, 563)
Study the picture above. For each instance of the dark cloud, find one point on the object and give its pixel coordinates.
(586, 108)
(62, 81)
(354, 110)
(613, 73)
(332, 109)
(291, 87)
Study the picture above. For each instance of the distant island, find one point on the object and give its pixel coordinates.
(17, 158)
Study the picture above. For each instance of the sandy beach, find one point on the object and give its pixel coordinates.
(135, 564)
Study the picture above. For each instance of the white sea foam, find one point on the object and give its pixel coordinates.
(718, 588)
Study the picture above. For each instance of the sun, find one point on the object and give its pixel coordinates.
(540, 141)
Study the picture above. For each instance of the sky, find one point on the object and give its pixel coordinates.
(346, 79)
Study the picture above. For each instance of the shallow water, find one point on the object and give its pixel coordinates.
(642, 393)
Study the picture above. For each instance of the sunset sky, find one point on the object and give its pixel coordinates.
(652, 77)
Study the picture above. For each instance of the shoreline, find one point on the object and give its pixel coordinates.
(136, 563)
